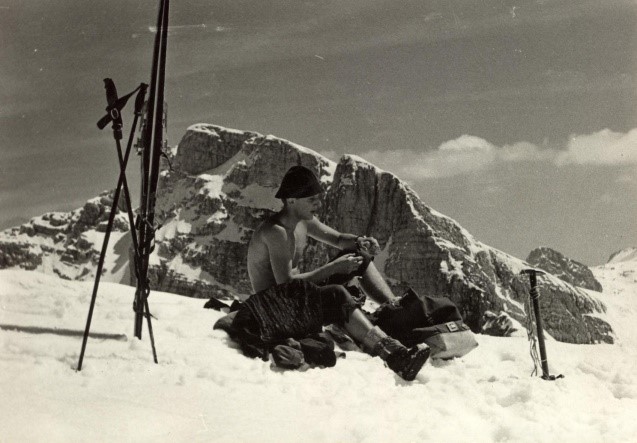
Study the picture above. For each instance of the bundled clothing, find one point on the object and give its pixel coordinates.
(287, 321)
(295, 310)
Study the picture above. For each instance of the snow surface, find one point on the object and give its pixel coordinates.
(204, 389)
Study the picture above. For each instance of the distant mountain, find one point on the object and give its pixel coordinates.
(68, 244)
(623, 255)
(564, 268)
(222, 185)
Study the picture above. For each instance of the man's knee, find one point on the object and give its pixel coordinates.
(340, 279)
(338, 304)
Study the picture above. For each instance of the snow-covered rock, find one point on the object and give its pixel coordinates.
(619, 278)
(222, 185)
(499, 325)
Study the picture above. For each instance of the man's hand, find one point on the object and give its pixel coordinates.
(368, 244)
(346, 264)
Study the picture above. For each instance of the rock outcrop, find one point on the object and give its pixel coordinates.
(564, 268)
(498, 325)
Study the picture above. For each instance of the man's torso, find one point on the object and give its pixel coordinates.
(259, 265)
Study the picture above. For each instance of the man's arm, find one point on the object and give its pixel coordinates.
(277, 241)
(331, 236)
(323, 233)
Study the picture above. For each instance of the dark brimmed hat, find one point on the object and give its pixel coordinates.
(299, 182)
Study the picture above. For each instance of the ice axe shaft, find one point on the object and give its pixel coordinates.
(535, 296)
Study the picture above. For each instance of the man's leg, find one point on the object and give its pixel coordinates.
(375, 285)
(339, 307)
(371, 281)
(358, 325)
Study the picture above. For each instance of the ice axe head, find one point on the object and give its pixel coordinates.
(532, 273)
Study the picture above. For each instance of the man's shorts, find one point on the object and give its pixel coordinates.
(294, 309)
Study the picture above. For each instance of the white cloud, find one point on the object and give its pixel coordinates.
(468, 154)
(459, 156)
(463, 155)
(601, 148)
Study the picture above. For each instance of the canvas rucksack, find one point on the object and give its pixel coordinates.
(436, 321)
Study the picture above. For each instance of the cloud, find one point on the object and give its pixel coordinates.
(468, 154)
(464, 155)
(601, 148)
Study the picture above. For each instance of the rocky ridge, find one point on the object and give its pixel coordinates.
(222, 185)
(210, 214)
(564, 268)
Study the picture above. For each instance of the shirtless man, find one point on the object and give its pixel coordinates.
(273, 256)
(278, 243)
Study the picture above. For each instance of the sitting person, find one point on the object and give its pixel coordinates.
(287, 303)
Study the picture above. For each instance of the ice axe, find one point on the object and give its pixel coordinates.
(535, 296)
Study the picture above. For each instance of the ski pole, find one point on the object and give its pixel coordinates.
(100, 265)
(116, 106)
(535, 296)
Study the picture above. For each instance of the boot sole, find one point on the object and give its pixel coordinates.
(418, 359)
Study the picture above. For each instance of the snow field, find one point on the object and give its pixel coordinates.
(204, 389)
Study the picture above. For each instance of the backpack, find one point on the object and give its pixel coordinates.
(436, 321)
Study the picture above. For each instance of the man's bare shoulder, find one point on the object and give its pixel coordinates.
(268, 231)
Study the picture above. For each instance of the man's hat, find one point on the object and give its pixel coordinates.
(299, 182)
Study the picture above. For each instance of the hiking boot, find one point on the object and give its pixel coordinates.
(408, 362)
(404, 362)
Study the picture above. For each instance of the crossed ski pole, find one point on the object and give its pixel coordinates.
(114, 108)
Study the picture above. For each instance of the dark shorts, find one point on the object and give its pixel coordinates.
(295, 309)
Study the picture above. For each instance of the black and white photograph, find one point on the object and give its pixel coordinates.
(362, 221)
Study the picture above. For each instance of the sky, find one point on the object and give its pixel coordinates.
(517, 119)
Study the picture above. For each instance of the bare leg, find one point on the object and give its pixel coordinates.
(375, 286)
(358, 325)
(404, 362)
